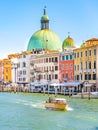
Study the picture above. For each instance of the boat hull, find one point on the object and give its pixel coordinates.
(55, 106)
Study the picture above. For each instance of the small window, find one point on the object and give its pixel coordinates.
(67, 57)
(95, 52)
(24, 79)
(85, 53)
(71, 65)
(62, 75)
(56, 59)
(70, 57)
(80, 54)
(56, 76)
(24, 64)
(94, 76)
(56, 67)
(46, 60)
(94, 64)
(63, 57)
(24, 72)
(74, 55)
(89, 52)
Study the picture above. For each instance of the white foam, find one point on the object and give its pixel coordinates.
(69, 108)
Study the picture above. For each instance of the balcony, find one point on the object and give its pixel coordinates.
(87, 70)
(38, 71)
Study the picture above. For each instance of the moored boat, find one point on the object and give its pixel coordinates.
(56, 104)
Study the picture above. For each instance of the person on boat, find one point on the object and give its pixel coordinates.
(49, 99)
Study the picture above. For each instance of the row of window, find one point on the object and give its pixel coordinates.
(22, 79)
(67, 57)
(46, 60)
(48, 77)
(88, 65)
(66, 66)
(46, 69)
(86, 77)
(23, 64)
(21, 72)
(86, 53)
(66, 75)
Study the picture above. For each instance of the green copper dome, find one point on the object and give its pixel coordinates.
(44, 39)
(68, 43)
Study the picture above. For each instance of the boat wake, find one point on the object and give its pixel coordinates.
(31, 103)
(69, 108)
(37, 104)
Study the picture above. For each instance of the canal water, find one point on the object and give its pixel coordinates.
(25, 111)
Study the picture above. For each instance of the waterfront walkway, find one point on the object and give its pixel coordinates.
(88, 95)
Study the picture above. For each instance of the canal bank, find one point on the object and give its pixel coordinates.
(89, 95)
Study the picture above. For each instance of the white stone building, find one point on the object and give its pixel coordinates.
(23, 70)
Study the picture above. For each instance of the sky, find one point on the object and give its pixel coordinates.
(20, 19)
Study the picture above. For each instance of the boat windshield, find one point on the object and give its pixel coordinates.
(60, 100)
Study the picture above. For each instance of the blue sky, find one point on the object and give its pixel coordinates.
(19, 19)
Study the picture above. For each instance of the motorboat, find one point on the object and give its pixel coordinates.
(56, 104)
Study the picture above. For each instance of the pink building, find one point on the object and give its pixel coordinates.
(66, 67)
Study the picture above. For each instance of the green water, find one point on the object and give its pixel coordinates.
(25, 111)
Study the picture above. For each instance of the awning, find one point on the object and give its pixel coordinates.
(39, 83)
(57, 84)
(72, 84)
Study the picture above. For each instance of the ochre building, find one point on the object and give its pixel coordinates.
(86, 63)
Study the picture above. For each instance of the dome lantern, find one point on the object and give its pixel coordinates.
(44, 20)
